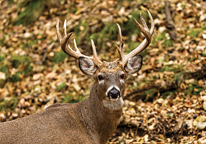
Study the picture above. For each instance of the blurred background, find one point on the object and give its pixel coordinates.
(164, 101)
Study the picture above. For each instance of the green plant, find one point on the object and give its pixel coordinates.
(19, 60)
(1, 58)
(30, 10)
(69, 99)
(16, 77)
(160, 36)
(59, 57)
(109, 31)
(61, 86)
(2, 40)
(204, 28)
(150, 93)
(193, 89)
(78, 99)
(4, 68)
(28, 68)
(66, 99)
(165, 94)
(168, 43)
(8, 104)
(174, 68)
(130, 27)
(24, 62)
(195, 32)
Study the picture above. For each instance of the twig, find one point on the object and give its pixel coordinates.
(169, 22)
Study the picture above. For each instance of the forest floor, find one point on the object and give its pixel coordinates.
(165, 101)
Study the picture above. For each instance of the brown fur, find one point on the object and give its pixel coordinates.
(88, 122)
(92, 121)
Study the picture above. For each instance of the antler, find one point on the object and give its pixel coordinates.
(64, 42)
(147, 33)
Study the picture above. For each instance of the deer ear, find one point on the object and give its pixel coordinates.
(87, 66)
(134, 64)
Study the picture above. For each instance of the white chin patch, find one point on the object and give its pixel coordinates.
(113, 103)
(114, 99)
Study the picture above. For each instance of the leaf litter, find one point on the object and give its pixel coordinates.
(164, 103)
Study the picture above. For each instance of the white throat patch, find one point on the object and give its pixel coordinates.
(114, 105)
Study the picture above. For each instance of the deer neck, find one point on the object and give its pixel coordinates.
(100, 120)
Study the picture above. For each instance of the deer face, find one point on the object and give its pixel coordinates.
(110, 78)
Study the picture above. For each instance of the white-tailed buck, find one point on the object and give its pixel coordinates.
(94, 120)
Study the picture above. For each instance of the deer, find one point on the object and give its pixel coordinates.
(93, 120)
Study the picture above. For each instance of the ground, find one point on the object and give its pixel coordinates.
(165, 101)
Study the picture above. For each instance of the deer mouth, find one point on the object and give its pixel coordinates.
(113, 94)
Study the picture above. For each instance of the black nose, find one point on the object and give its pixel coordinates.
(114, 93)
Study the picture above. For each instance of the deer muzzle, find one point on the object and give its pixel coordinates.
(113, 94)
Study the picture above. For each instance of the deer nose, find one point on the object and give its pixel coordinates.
(113, 93)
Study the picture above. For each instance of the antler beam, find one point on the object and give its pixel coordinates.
(146, 32)
(64, 42)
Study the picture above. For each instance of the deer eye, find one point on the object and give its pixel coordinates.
(100, 77)
(122, 76)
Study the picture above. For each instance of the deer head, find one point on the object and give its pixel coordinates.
(109, 77)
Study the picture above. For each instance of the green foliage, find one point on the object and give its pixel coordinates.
(8, 104)
(2, 40)
(168, 43)
(59, 57)
(131, 27)
(203, 54)
(19, 60)
(178, 78)
(35, 41)
(16, 77)
(193, 89)
(131, 46)
(1, 58)
(66, 99)
(30, 11)
(160, 36)
(69, 99)
(195, 32)
(175, 68)
(28, 68)
(61, 86)
(81, 32)
(78, 99)
(10, 1)
(25, 62)
(72, 8)
(109, 31)
(204, 28)
(150, 93)
(167, 93)
(4, 68)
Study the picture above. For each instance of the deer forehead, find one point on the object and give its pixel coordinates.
(110, 67)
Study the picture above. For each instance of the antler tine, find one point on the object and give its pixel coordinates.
(65, 27)
(148, 35)
(96, 60)
(120, 48)
(59, 36)
(152, 22)
(64, 42)
(143, 22)
(75, 45)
